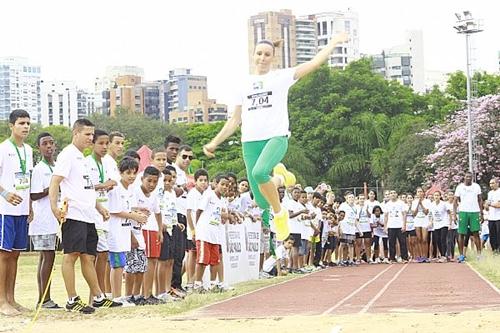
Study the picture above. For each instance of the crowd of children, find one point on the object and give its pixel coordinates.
(158, 229)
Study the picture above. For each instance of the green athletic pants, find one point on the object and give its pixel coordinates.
(260, 158)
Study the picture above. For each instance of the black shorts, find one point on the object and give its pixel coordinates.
(367, 234)
(411, 233)
(331, 243)
(167, 247)
(297, 240)
(190, 245)
(79, 237)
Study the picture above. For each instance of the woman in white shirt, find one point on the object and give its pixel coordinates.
(420, 210)
(262, 112)
(440, 219)
(411, 233)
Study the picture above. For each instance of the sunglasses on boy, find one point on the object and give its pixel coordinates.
(184, 157)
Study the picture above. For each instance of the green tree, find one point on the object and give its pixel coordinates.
(345, 119)
(138, 129)
(487, 84)
(228, 155)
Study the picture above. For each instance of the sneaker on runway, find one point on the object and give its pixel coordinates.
(461, 258)
(151, 300)
(377, 261)
(386, 261)
(167, 298)
(79, 306)
(139, 300)
(124, 301)
(178, 292)
(105, 303)
(50, 304)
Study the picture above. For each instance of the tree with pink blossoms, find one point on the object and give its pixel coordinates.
(449, 161)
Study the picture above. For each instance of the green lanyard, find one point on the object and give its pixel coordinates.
(50, 167)
(100, 168)
(23, 163)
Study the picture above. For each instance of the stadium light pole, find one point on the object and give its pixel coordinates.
(467, 26)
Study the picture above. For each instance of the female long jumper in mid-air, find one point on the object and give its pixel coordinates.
(263, 115)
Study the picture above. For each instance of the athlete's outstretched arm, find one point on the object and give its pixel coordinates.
(229, 128)
(320, 58)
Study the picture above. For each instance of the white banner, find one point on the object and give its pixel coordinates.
(240, 253)
(252, 237)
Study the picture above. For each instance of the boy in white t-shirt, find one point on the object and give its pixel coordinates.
(348, 227)
(451, 240)
(306, 233)
(44, 227)
(209, 218)
(150, 239)
(168, 207)
(364, 225)
(492, 204)
(121, 201)
(316, 236)
(115, 150)
(193, 199)
(295, 226)
(16, 164)
(102, 185)
(276, 264)
(395, 226)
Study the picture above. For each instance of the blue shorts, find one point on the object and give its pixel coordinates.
(117, 259)
(13, 232)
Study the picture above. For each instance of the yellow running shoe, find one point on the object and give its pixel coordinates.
(288, 177)
(281, 224)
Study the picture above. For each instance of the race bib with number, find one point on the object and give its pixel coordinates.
(102, 196)
(88, 183)
(22, 181)
(261, 100)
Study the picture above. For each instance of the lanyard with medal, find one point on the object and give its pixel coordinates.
(22, 179)
(100, 168)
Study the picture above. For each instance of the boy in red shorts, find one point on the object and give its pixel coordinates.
(147, 200)
(210, 231)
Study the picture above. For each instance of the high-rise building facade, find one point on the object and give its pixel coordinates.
(274, 26)
(62, 102)
(184, 89)
(184, 97)
(207, 111)
(306, 38)
(151, 106)
(404, 63)
(105, 82)
(19, 87)
(126, 94)
(328, 24)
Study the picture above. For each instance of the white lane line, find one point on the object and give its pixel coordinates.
(342, 301)
(484, 279)
(376, 297)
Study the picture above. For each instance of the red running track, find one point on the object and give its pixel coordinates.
(448, 287)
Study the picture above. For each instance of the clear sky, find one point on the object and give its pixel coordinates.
(76, 40)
